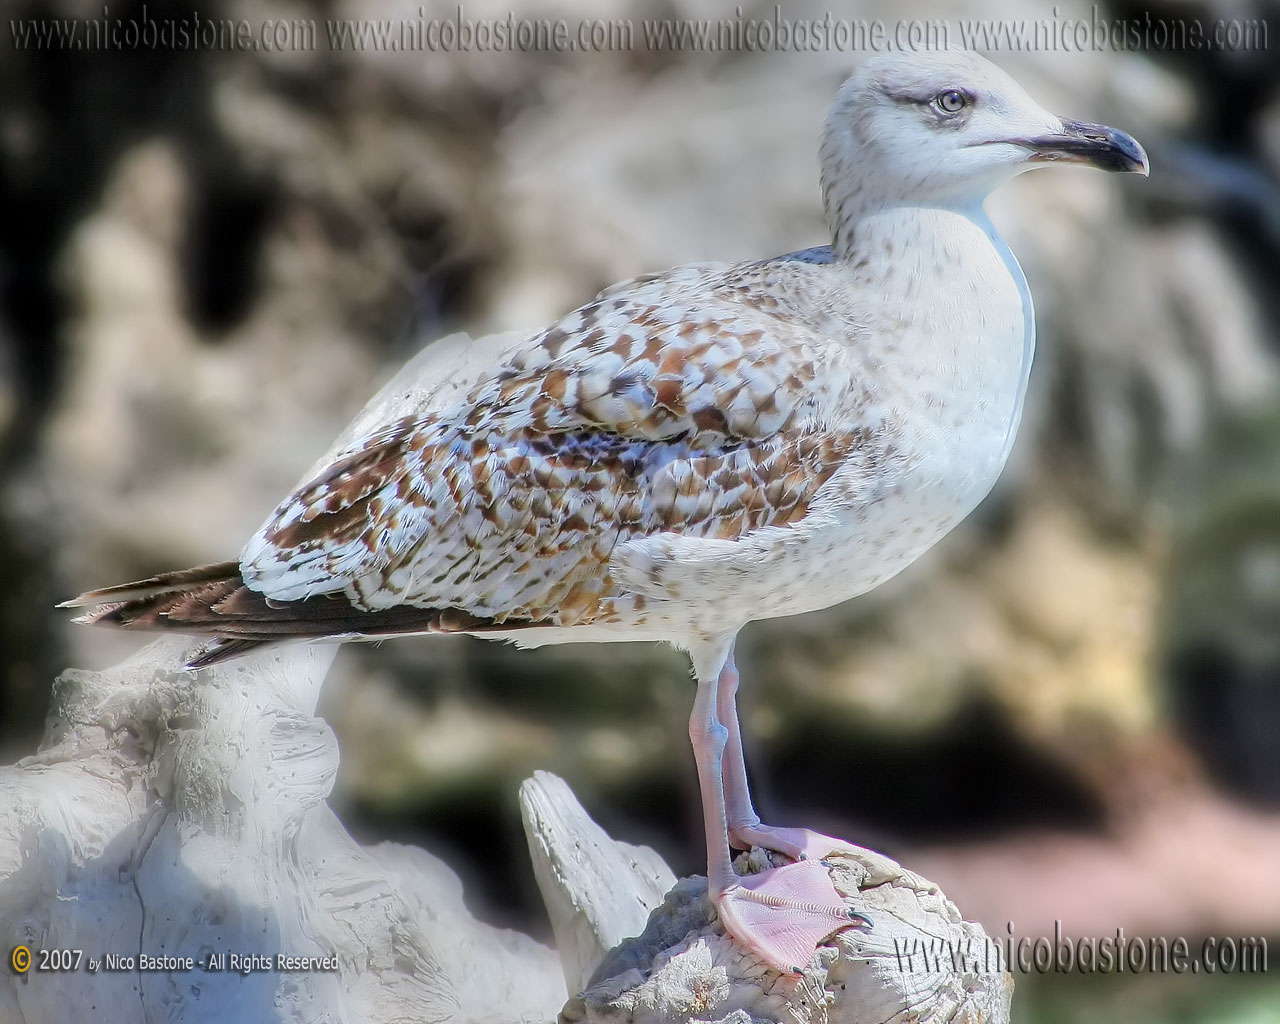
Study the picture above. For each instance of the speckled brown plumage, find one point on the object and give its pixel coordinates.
(692, 403)
(634, 415)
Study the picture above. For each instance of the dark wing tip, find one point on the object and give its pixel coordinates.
(92, 597)
(218, 650)
(182, 580)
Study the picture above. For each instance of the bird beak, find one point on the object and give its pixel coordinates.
(1094, 145)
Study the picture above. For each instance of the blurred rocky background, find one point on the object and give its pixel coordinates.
(209, 259)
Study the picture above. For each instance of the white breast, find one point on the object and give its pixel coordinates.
(948, 343)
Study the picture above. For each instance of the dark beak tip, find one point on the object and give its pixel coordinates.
(1096, 145)
(1141, 165)
(1130, 157)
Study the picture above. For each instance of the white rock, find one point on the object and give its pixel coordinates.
(917, 961)
(173, 814)
(180, 815)
(598, 892)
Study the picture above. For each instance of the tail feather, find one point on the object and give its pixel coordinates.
(220, 649)
(166, 581)
(215, 601)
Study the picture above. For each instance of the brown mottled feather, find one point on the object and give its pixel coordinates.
(214, 600)
(684, 404)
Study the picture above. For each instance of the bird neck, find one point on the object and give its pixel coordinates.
(934, 258)
(871, 229)
(943, 277)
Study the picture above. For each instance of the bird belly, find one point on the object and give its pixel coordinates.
(942, 433)
(942, 473)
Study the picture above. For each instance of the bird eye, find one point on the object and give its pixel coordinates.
(952, 101)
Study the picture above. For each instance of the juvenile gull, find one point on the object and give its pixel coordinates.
(696, 449)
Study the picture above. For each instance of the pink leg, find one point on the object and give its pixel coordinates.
(784, 913)
(744, 826)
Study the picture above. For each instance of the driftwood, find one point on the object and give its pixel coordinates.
(683, 967)
(172, 814)
(181, 815)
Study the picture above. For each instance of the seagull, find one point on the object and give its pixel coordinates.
(694, 450)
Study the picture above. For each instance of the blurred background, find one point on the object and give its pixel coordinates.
(210, 258)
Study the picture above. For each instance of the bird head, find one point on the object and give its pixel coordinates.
(947, 127)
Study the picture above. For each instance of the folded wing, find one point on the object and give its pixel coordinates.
(692, 403)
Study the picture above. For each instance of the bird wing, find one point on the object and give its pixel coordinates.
(701, 403)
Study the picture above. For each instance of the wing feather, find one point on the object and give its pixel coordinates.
(697, 402)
